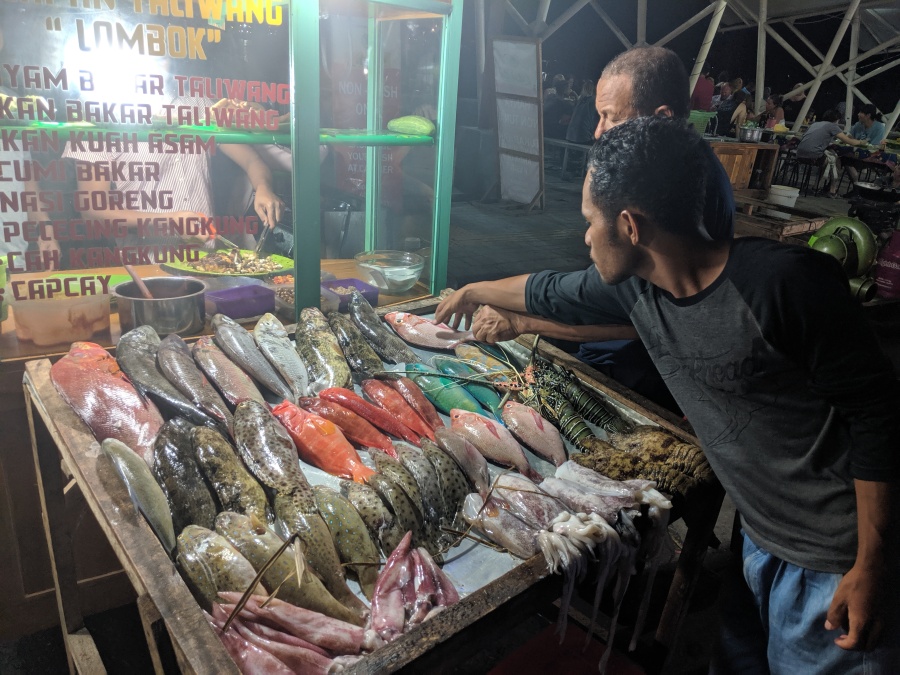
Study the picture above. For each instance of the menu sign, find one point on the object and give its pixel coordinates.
(127, 135)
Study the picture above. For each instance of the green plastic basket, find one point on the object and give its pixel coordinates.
(699, 119)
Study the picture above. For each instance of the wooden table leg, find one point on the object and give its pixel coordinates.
(149, 616)
(81, 651)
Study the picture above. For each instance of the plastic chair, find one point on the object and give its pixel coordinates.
(699, 119)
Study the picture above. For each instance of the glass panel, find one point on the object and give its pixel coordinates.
(128, 132)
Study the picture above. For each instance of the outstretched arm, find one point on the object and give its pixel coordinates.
(506, 294)
(857, 606)
(494, 325)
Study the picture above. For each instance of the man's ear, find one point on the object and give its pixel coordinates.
(664, 111)
(629, 225)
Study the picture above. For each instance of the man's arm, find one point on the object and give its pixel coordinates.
(506, 294)
(494, 325)
(268, 205)
(856, 606)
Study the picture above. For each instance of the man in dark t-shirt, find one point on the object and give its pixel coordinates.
(641, 81)
(792, 399)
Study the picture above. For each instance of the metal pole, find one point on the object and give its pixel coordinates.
(612, 24)
(826, 63)
(862, 97)
(517, 18)
(761, 53)
(543, 10)
(562, 18)
(687, 24)
(707, 41)
(806, 15)
(851, 73)
(641, 23)
(877, 71)
(479, 48)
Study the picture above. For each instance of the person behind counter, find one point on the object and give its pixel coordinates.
(640, 81)
(187, 176)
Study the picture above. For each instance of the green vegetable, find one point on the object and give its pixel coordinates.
(412, 124)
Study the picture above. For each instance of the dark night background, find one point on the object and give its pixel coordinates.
(585, 44)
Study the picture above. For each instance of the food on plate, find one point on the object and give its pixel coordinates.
(235, 261)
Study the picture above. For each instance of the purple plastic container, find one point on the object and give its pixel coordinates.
(370, 293)
(242, 301)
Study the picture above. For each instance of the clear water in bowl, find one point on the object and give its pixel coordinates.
(390, 277)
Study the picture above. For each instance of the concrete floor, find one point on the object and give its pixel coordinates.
(487, 241)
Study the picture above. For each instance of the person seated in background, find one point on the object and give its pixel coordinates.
(727, 106)
(741, 114)
(774, 113)
(723, 95)
(869, 126)
(701, 97)
(814, 146)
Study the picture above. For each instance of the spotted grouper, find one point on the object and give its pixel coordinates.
(379, 519)
(271, 456)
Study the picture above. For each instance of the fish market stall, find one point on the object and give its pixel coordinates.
(484, 579)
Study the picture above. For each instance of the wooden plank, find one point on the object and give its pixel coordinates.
(150, 616)
(85, 655)
(453, 619)
(149, 569)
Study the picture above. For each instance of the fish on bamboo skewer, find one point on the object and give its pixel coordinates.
(178, 365)
(363, 360)
(136, 353)
(385, 343)
(237, 342)
(258, 544)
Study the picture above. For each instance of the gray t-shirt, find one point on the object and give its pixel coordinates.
(816, 139)
(781, 377)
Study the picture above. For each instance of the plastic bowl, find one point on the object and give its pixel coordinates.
(390, 271)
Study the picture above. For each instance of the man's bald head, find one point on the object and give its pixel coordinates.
(658, 78)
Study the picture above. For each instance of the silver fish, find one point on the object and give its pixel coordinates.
(272, 340)
(234, 384)
(177, 364)
(385, 343)
(136, 355)
(240, 347)
(145, 493)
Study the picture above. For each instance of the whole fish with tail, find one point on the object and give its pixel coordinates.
(236, 489)
(272, 340)
(408, 515)
(319, 349)
(472, 462)
(233, 383)
(443, 392)
(454, 485)
(258, 544)
(485, 394)
(91, 382)
(212, 565)
(178, 366)
(136, 353)
(385, 343)
(363, 360)
(493, 440)
(379, 519)
(271, 456)
(412, 393)
(145, 493)
(351, 536)
(422, 332)
(239, 345)
(176, 471)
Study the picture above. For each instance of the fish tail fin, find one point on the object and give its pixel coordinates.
(360, 473)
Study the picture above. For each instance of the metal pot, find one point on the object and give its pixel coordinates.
(178, 305)
(877, 193)
(750, 134)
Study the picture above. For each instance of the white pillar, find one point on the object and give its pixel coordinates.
(761, 53)
(707, 42)
(851, 73)
(612, 24)
(479, 47)
(826, 63)
(891, 120)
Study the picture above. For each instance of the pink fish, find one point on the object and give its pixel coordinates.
(492, 440)
(422, 332)
(90, 381)
(534, 431)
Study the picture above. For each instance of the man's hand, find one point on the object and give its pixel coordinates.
(495, 325)
(268, 205)
(454, 308)
(855, 609)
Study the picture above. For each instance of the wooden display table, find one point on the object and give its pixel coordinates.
(751, 222)
(743, 160)
(163, 598)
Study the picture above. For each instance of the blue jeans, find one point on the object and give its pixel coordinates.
(773, 621)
